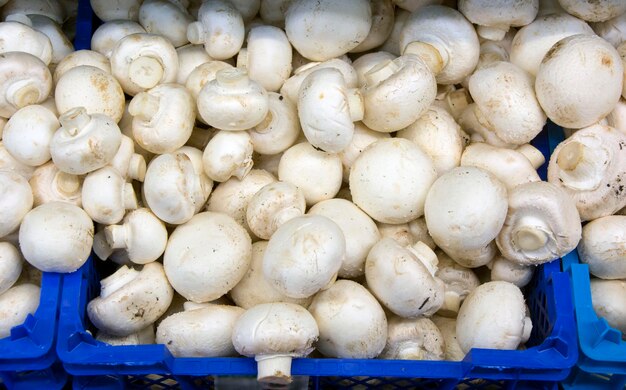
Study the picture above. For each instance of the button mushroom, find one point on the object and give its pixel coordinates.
(280, 128)
(78, 58)
(494, 20)
(131, 165)
(16, 304)
(511, 271)
(106, 196)
(116, 10)
(111, 32)
(49, 184)
(267, 42)
(459, 282)
(24, 80)
(167, 18)
(272, 206)
(10, 164)
(19, 36)
(447, 327)
(228, 154)
(219, 27)
(608, 300)
(10, 265)
(61, 45)
(413, 339)
(16, 200)
(592, 11)
(602, 247)
(291, 87)
(382, 24)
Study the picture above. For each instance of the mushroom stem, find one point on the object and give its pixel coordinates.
(116, 236)
(410, 350)
(137, 167)
(380, 72)
(117, 280)
(145, 71)
(195, 33)
(570, 156)
(101, 247)
(74, 120)
(492, 33)
(242, 59)
(451, 304)
(355, 104)
(274, 369)
(531, 233)
(130, 198)
(144, 105)
(232, 78)
(67, 183)
(425, 255)
(533, 155)
(434, 59)
(285, 215)
(22, 93)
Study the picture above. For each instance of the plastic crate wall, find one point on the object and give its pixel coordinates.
(552, 349)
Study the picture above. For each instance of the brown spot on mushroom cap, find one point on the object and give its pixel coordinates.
(607, 61)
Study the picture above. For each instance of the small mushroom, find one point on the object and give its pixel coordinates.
(361, 139)
(274, 333)
(78, 58)
(15, 306)
(219, 28)
(10, 266)
(413, 339)
(327, 29)
(459, 282)
(280, 128)
(495, 20)
(447, 327)
(24, 80)
(493, 316)
(564, 94)
(602, 247)
(228, 154)
(107, 10)
(359, 230)
(166, 18)
(61, 45)
(390, 180)
(19, 35)
(465, 210)
(130, 300)
(163, 118)
(367, 62)
(49, 184)
(141, 61)
(207, 256)
(189, 57)
(141, 234)
(318, 174)
(106, 196)
(590, 166)
(267, 42)
(511, 271)
(90, 87)
(130, 165)
(56, 237)
(351, 322)
(28, 133)
(593, 11)
(542, 224)
(291, 87)
(84, 142)
(16, 200)
(106, 36)
(202, 75)
(608, 300)
(407, 234)
(143, 337)
(403, 278)
(382, 24)
(272, 206)
(202, 332)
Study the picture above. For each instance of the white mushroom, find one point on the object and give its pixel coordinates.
(110, 33)
(407, 233)
(602, 247)
(106, 196)
(511, 271)
(131, 165)
(459, 282)
(107, 10)
(16, 200)
(564, 94)
(202, 332)
(291, 88)
(10, 164)
(493, 316)
(167, 18)
(163, 117)
(351, 322)
(273, 12)
(61, 45)
(607, 297)
(390, 180)
(228, 154)
(52, 9)
(274, 333)
(189, 57)
(219, 27)
(90, 87)
(56, 237)
(272, 206)
(10, 266)
(16, 304)
(327, 29)
(403, 278)
(279, 129)
(413, 339)
(141, 61)
(367, 62)
(78, 58)
(465, 210)
(19, 35)
(494, 20)
(207, 256)
(361, 139)
(265, 42)
(141, 234)
(358, 229)
(202, 75)
(24, 80)
(612, 30)
(130, 300)
(382, 24)
(593, 11)
(590, 166)
(392, 44)
(447, 327)
(143, 337)
(49, 184)
(28, 133)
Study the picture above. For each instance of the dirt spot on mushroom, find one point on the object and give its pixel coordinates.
(607, 61)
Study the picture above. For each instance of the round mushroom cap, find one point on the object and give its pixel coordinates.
(603, 247)
(565, 78)
(10, 265)
(28, 133)
(16, 199)
(16, 304)
(608, 298)
(207, 256)
(109, 33)
(502, 14)
(413, 339)
(351, 322)
(594, 11)
(56, 237)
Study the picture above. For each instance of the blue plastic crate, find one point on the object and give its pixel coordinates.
(552, 349)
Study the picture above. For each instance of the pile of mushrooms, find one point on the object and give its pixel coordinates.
(273, 178)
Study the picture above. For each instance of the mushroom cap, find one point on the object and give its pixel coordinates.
(90, 87)
(392, 44)
(505, 97)
(167, 18)
(396, 93)
(52, 9)
(304, 255)
(382, 25)
(228, 154)
(16, 200)
(49, 184)
(24, 80)
(317, 173)
(291, 86)
(273, 205)
(56, 237)
(203, 74)
(10, 164)
(130, 300)
(493, 317)
(351, 322)
(465, 210)
(401, 280)
(608, 298)
(16, 304)
(275, 329)
(413, 339)
(447, 327)
(390, 180)
(589, 166)
(449, 32)
(459, 282)
(273, 12)
(203, 332)
(207, 256)
(368, 61)
(502, 14)
(363, 137)
(109, 33)
(533, 41)
(61, 44)
(511, 271)
(78, 58)
(542, 224)
(280, 128)
(144, 236)
(358, 229)
(594, 11)
(107, 10)
(564, 94)
(189, 57)
(220, 28)
(144, 336)
(106, 196)
(327, 29)
(25, 38)
(603, 247)
(254, 289)
(268, 42)
(612, 30)
(10, 265)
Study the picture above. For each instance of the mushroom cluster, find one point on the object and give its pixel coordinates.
(313, 175)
